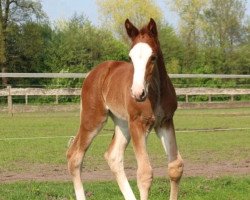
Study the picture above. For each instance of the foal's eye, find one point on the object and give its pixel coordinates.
(153, 58)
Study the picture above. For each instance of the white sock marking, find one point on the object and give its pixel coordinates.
(168, 140)
(79, 191)
(116, 157)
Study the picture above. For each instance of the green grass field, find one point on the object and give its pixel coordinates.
(226, 188)
(195, 146)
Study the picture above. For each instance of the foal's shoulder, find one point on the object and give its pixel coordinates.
(115, 63)
(105, 68)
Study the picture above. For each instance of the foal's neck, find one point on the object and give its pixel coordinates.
(161, 66)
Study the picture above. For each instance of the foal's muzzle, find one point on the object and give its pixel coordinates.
(140, 97)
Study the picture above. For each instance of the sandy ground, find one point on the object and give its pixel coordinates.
(60, 173)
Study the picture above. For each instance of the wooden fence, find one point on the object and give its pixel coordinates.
(9, 92)
(83, 75)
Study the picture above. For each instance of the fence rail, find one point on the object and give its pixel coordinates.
(83, 75)
(43, 75)
(9, 92)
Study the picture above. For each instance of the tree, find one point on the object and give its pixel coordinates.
(239, 61)
(212, 32)
(15, 11)
(172, 49)
(26, 50)
(77, 46)
(2, 47)
(224, 29)
(190, 12)
(114, 13)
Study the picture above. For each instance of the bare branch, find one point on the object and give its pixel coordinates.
(6, 15)
(13, 1)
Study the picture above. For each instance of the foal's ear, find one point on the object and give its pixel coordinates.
(132, 31)
(152, 27)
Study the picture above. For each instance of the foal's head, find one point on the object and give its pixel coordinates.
(143, 53)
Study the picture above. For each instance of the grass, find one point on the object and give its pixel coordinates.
(226, 188)
(196, 147)
(208, 147)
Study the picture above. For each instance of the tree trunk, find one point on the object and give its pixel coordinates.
(4, 70)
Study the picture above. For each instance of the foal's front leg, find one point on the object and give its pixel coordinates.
(175, 167)
(115, 157)
(138, 132)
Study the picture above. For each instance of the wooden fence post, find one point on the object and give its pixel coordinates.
(26, 99)
(209, 98)
(186, 98)
(10, 106)
(56, 100)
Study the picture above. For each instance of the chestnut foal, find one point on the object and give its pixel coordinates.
(138, 96)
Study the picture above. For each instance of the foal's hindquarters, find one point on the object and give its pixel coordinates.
(133, 120)
(92, 117)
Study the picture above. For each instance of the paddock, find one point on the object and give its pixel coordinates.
(215, 147)
(213, 138)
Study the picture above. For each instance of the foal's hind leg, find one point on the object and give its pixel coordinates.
(91, 124)
(175, 167)
(115, 156)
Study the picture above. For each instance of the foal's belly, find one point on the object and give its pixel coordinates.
(118, 113)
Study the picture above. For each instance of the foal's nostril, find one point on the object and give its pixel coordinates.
(143, 95)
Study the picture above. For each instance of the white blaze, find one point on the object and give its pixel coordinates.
(139, 55)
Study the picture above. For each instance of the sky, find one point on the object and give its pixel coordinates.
(64, 9)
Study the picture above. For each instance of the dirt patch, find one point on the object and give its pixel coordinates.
(60, 173)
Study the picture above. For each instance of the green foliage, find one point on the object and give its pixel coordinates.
(2, 46)
(192, 188)
(172, 49)
(25, 50)
(173, 66)
(81, 46)
(77, 46)
(213, 37)
(24, 55)
(16, 12)
(239, 61)
(114, 13)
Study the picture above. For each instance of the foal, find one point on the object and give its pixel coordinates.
(138, 96)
